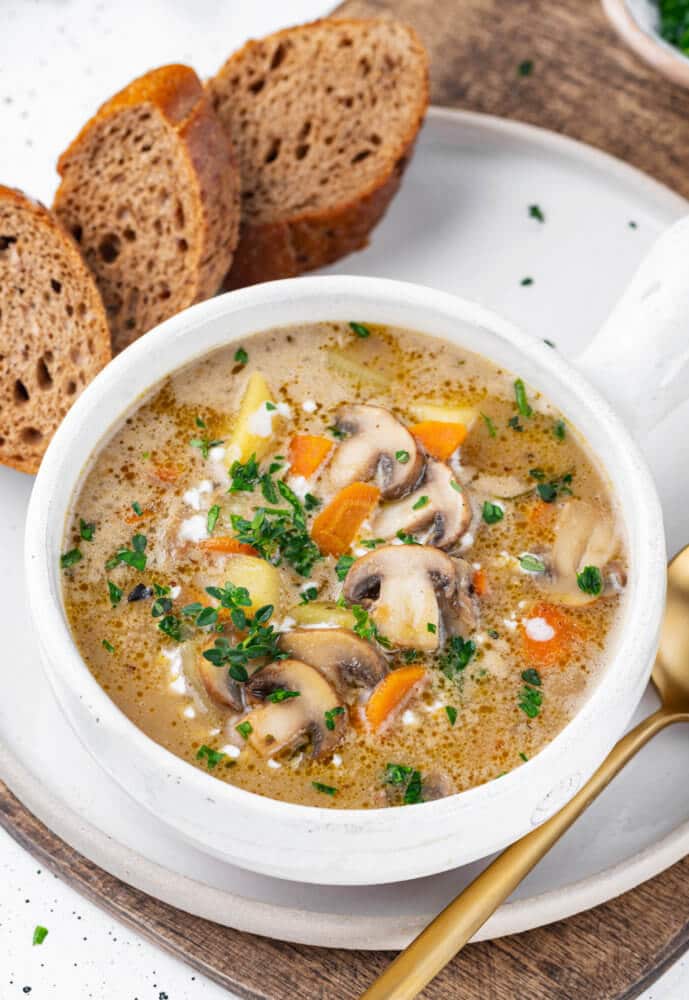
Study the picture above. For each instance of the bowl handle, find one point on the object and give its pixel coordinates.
(640, 357)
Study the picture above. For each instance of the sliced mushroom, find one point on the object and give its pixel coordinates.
(297, 722)
(438, 509)
(379, 447)
(413, 593)
(584, 536)
(346, 660)
(218, 683)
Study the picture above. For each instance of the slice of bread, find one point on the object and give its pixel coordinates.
(323, 118)
(150, 191)
(53, 330)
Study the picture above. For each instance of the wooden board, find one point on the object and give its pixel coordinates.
(586, 84)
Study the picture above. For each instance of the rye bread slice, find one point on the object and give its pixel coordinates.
(323, 118)
(150, 191)
(53, 331)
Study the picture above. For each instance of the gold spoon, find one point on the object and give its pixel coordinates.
(449, 932)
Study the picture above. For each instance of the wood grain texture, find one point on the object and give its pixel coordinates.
(586, 84)
(610, 953)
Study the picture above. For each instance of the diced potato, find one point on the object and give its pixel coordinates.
(260, 578)
(322, 613)
(447, 414)
(248, 436)
(343, 364)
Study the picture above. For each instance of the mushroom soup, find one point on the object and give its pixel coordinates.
(345, 565)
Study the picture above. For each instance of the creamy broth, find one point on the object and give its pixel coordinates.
(477, 573)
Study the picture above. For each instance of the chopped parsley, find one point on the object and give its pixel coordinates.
(365, 627)
(108, 646)
(279, 533)
(523, 755)
(421, 502)
(492, 512)
(212, 519)
(204, 444)
(590, 580)
(530, 701)
(536, 212)
(260, 641)
(136, 507)
(410, 655)
(240, 356)
(430, 627)
(538, 474)
(336, 432)
(210, 756)
(525, 67)
(343, 566)
(244, 476)
(360, 330)
(308, 595)
(86, 529)
(70, 558)
(490, 426)
(520, 396)
(39, 934)
(493, 633)
(407, 780)
(456, 656)
(161, 606)
(330, 716)
(114, 593)
(371, 543)
(560, 430)
(245, 729)
(549, 343)
(531, 676)
(525, 282)
(134, 557)
(549, 492)
(171, 626)
(531, 564)
(402, 456)
(513, 422)
(451, 713)
(674, 23)
(406, 538)
(324, 789)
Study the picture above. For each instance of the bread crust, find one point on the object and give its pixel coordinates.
(317, 237)
(100, 336)
(178, 94)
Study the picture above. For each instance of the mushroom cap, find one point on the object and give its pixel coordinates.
(411, 591)
(375, 439)
(346, 660)
(444, 517)
(282, 725)
(584, 536)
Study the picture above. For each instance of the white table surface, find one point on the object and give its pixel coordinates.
(50, 83)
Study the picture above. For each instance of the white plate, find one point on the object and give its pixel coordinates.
(461, 223)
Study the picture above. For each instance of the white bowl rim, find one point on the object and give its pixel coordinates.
(65, 659)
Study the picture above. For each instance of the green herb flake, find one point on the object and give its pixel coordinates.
(413, 791)
(211, 757)
(525, 67)
(490, 426)
(240, 356)
(330, 716)
(39, 934)
(136, 507)
(308, 594)
(537, 474)
(590, 580)
(397, 774)
(560, 430)
(531, 676)
(360, 330)
(525, 282)
(492, 512)
(212, 518)
(406, 538)
(493, 633)
(371, 543)
(547, 492)
(205, 444)
(523, 756)
(343, 566)
(451, 713)
(402, 456)
(456, 486)
(456, 656)
(632, 224)
(421, 502)
(114, 593)
(430, 627)
(521, 398)
(336, 432)
(134, 557)
(86, 529)
(531, 564)
(535, 212)
(324, 789)
(410, 655)
(365, 627)
(70, 558)
(530, 701)
(549, 343)
(108, 646)
(514, 424)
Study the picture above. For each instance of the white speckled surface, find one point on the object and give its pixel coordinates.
(58, 60)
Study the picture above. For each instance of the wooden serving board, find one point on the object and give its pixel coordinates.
(586, 84)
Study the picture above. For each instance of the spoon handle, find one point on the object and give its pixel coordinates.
(438, 943)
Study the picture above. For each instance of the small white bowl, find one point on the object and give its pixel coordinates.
(638, 23)
(352, 847)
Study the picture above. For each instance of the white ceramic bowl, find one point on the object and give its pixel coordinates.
(637, 22)
(367, 846)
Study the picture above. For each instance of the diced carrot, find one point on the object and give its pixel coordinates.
(541, 514)
(227, 545)
(336, 526)
(307, 452)
(480, 582)
(552, 651)
(390, 693)
(166, 473)
(439, 438)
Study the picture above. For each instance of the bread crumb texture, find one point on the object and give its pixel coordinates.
(150, 192)
(323, 118)
(53, 331)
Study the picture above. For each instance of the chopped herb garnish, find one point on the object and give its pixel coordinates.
(308, 594)
(531, 676)
(421, 502)
(270, 407)
(549, 343)
(40, 934)
(139, 593)
(493, 633)
(513, 422)
(171, 626)
(451, 713)
(457, 654)
(70, 558)
(526, 282)
(523, 755)
(404, 777)
(530, 701)
(343, 566)
(535, 212)
(456, 486)
(492, 512)
(210, 756)
(136, 507)
(134, 557)
(240, 356)
(245, 729)
(330, 716)
(406, 538)
(525, 67)
(114, 593)
(325, 789)
(161, 606)
(311, 502)
(244, 476)
(212, 519)
(632, 224)
(522, 401)
(531, 564)
(590, 580)
(413, 791)
(397, 774)
(371, 543)
(538, 474)
(206, 617)
(261, 640)
(365, 627)
(280, 534)
(360, 330)
(560, 430)
(205, 444)
(108, 646)
(86, 529)
(402, 456)
(490, 426)
(410, 655)
(336, 432)
(547, 492)
(430, 627)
